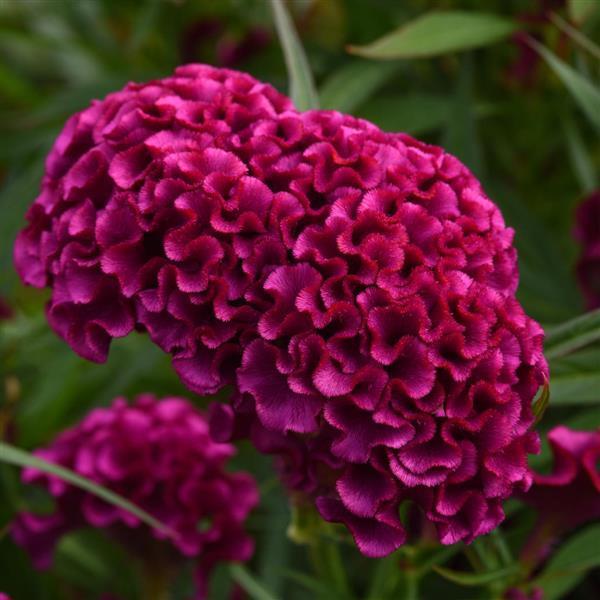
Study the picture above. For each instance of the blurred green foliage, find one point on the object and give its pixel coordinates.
(532, 139)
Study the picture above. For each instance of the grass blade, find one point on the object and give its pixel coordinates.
(302, 86)
(585, 93)
(20, 458)
(572, 335)
(354, 83)
(250, 584)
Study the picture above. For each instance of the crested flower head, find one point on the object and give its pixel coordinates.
(158, 455)
(574, 481)
(355, 287)
(587, 232)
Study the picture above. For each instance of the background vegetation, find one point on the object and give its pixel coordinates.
(524, 117)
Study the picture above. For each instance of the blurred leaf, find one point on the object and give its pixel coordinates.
(348, 87)
(577, 388)
(17, 457)
(91, 561)
(577, 36)
(585, 93)
(581, 10)
(144, 22)
(314, 585)
(302, 87)
(412, 113)
(580, 159)
(14, 87)
(569, 564)
(438, 33)
(250, 584)
(572, 335)
(474, 579)
(460, 135)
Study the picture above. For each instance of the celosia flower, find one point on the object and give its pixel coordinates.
(587, 232)
(159, 455)
(573, 483)
(4, 596)
(355, 287)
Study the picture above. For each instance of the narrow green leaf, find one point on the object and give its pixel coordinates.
(302, 86)
(572, 335)
(354, 83)
(20, 458)
(460, 135)
(541, 403)
(576, 388)
(438, 33)
(474, 579)
(581, 10)
(249, 583)
(569, 564)
(413, 113)
(580, 159)
(577, 36)
(585, 93)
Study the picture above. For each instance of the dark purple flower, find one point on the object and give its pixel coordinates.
(159, 455)
(587, 232)
(573, 483)
(355, 287)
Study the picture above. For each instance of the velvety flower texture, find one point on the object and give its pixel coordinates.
(570, 495)
(355, 287)
(159, 455)
(587, 232)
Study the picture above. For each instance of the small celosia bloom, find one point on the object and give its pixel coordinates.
(159, 455)
(587, 232)
(570, 495)
(357, 288)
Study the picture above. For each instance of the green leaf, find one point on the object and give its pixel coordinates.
(15, 456)
(475, 579)
(541, 403)
(580, 158)
(302, 86)
(585, 93)
(576, 388)
(250, 584)
(460, 135)
(414, 113)
(438, 33)
(354, 83)
(577, 36)
(569, 564)
(581, 10)
(572, 335)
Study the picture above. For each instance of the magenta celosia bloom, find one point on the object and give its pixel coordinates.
(587, 232)
(355, 287)
(4, 596)
(570, 495)
(159, 455)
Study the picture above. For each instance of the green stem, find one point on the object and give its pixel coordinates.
(412, 585)
(328, 565)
